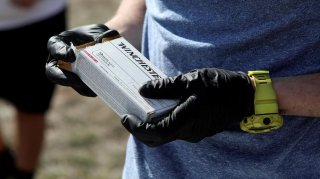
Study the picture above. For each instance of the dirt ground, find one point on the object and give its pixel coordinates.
(84, 138)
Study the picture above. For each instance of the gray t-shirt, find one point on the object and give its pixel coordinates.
(282, 36)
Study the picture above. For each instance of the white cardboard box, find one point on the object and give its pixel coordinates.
(115, 70)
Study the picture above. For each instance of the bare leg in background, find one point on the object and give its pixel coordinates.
(30, 137)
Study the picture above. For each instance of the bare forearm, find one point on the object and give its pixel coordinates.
(128, 20)
(298, 96)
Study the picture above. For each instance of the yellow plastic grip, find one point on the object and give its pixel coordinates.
(266, 116)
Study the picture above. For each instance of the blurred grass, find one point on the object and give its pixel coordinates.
(84, 139)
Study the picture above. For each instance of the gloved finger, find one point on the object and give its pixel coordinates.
(82, 35)
(66, 78)
(93, 30)
(164, 88)
(107, 35)
(174, 87)
(59, 76)
(60, 49)
(185, 117)
(148, 133)
(176, 125)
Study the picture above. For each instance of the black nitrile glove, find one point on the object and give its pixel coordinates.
(59, 48)
(211, 101)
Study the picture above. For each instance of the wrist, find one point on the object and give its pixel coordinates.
(131, 31)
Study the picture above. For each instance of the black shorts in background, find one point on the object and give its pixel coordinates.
(23, 57)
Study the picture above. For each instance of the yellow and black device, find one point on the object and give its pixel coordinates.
(266, 116)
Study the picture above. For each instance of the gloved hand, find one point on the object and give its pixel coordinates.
(59, 48)
(211, 101)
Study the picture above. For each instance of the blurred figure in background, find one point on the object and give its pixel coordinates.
(25, 26)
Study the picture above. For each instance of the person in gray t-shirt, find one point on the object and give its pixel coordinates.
(206, 48)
